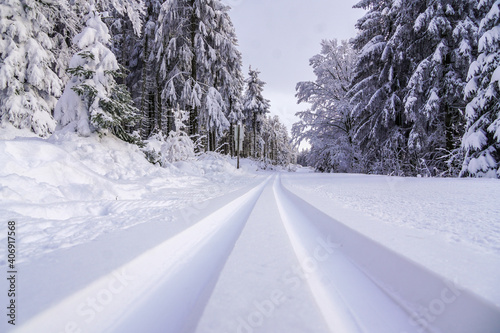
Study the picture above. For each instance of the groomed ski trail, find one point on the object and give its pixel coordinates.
(262, 288)
(348, 299)
(354, 284)
(366, 287)
(270, 262)
(165, 289)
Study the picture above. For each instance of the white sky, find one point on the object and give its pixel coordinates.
(278, 37)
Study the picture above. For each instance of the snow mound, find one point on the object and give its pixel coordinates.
(68, 190)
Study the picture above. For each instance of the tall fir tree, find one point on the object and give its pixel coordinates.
(93, 100)
(380, 77)
(214, 120)
(196, 50)
(255, 107)
(445, 37)
(143, 78)
(482, 138)
(29, 85)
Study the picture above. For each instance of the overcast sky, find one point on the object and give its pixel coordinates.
(278, 37)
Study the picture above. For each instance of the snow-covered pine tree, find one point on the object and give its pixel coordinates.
(93, 100)
(443, 49)
(328, 125)
(229, 79)
(132, 10)
(380, 77)
(143, 72)
(255, 106)
(29, 87)
(195, 49)
(482, 138)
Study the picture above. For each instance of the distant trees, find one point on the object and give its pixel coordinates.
(276, 144)
(405, 104)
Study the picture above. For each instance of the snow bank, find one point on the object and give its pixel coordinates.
(68, 190)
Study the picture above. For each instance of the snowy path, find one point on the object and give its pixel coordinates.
(349, 300)
(166, 286)
(266, 260)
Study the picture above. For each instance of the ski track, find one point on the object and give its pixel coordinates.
(376, 288)
(167, 292)
(352, 283)
(260, 288)
(349, 300)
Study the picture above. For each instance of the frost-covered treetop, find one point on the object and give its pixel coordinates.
(95, 32)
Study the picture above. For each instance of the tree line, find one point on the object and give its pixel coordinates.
(416, 92)
(138, 69)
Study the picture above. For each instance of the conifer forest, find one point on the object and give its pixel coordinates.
(416, 92)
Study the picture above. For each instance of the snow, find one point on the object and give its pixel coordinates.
(496, 76)
(483, 163)
(109, 242)
(462, 210)
(475, 139)
(489, 40)
(450, 226)
(62, 183)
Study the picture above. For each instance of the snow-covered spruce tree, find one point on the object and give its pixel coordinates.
(482, 138)
(328, 125)
(143, 72)
(29, 87)
(255, 106)
(195, 49)
(229, 79)
(125, 18)
(443, 48)
(380, 77)
(93, 100)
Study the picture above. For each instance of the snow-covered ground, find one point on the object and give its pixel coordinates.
(70, 190)
(108, 242)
